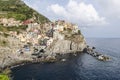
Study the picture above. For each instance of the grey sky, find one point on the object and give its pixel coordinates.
(96, 18)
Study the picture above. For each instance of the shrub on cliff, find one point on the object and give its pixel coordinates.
(3, 43)
(5, 75)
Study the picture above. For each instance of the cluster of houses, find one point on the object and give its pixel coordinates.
(64, 27)
(44, 34)
(10, 22)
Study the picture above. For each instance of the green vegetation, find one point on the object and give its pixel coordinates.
(5, 75)
(17, 16)
(19, 10)
(75, 37)
(14, 28)
(5, 35)
(79, 32)
(3, 42)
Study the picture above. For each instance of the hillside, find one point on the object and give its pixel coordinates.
(20, 11)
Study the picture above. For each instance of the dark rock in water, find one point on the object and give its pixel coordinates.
(93, 48)
(95, 54)
(85, 50)
(103, 58)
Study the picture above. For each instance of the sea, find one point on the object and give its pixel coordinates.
(80, 67)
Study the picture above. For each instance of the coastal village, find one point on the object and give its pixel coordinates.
(36, 32)
(41, 42)
(37, 36)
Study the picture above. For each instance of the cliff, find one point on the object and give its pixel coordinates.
(68, 40)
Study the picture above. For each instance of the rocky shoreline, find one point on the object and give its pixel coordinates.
(59, 57)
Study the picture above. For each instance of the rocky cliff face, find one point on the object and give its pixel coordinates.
(67, 46)
(68, 40)
(8, 51)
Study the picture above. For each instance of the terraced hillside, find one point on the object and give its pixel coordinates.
(20, 11)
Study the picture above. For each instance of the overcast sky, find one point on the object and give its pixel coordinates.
(95, 18)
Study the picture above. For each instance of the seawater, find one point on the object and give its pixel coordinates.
(82, 67)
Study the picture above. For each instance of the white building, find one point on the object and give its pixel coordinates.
(49, 41)
(59, 28)
(57, 35)
(75, 29)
